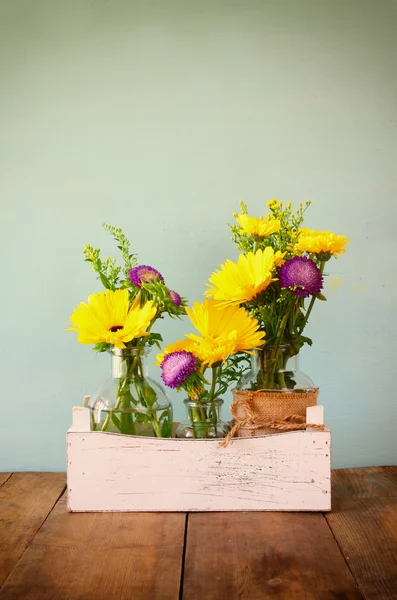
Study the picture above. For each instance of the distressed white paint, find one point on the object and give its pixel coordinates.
(111, 472)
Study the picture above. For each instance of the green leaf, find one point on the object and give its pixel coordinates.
(321, 297)
(149, 396)
(101, 347)
(154, 339)
(142, 418)
(166, 428)
(105, 281)
(306, 340)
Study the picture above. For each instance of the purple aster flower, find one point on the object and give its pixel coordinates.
(177, 367)
(174, 297)
(302, 276)
(144, 274)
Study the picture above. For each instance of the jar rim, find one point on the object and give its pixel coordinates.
(270, 345)
(130, 351)
(197, 403)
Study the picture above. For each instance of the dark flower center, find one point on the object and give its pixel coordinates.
(116, 328)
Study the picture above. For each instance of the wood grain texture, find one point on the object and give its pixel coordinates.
(364, 523)
(104, 555)
(25, 502)
(4, 477)
(252, 556)
(110, 472)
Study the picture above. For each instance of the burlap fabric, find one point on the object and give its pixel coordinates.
(268, 412)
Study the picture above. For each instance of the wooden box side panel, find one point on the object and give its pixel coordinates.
(110, 472)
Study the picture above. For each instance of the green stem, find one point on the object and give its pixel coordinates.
(203, 416)
(312, 301)
(268, 374)
(124, 399)
(156, 426)
(213, 384)
(307, 315)
(106, 422)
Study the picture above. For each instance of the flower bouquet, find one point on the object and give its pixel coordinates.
(226, 334)
(120, 321)
(277, 278)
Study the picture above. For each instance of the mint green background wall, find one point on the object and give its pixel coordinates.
(159, 117)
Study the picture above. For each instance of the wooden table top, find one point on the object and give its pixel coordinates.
(350, 553)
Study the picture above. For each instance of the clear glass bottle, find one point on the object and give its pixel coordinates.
(203, 420)
(276, 368)
(130, 402)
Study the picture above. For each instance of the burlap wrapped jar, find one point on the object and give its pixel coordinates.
(270, 411)
(280, 403)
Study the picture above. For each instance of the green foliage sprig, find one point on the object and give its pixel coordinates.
(114, 276)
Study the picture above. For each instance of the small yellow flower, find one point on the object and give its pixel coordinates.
(279, 258)
(259, 227)
(320, 242)
(240, 282)
(108, 318)
(274, 202)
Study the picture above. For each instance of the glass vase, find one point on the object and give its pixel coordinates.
(203, 420)
(276, 367)
(130, 402)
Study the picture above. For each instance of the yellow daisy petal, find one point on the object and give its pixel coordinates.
(108, 318)
(225, 329)
(175, 347)
(236, 283)
(259, 227)
(320, 242)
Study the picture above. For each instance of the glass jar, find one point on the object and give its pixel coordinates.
(130, 402)
(203, 420)
(276, 367)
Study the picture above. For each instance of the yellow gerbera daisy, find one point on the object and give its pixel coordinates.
(108, 318)
(239, 282)
(211, 351)
(259, 227)
(224, 331)
(321, 242)
(221, 321)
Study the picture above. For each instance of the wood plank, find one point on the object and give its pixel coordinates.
(4, 477)
(101, 555)
(25, 501)
(364, 523)
(252, 556)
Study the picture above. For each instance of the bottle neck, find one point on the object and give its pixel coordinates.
(129, 362)
(276, 358)
(197, 409)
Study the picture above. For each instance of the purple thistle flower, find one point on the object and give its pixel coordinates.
(302, 276)
(175, 297)
(177, 367)
(144, 274)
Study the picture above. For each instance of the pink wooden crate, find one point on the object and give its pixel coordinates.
(111, 472)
